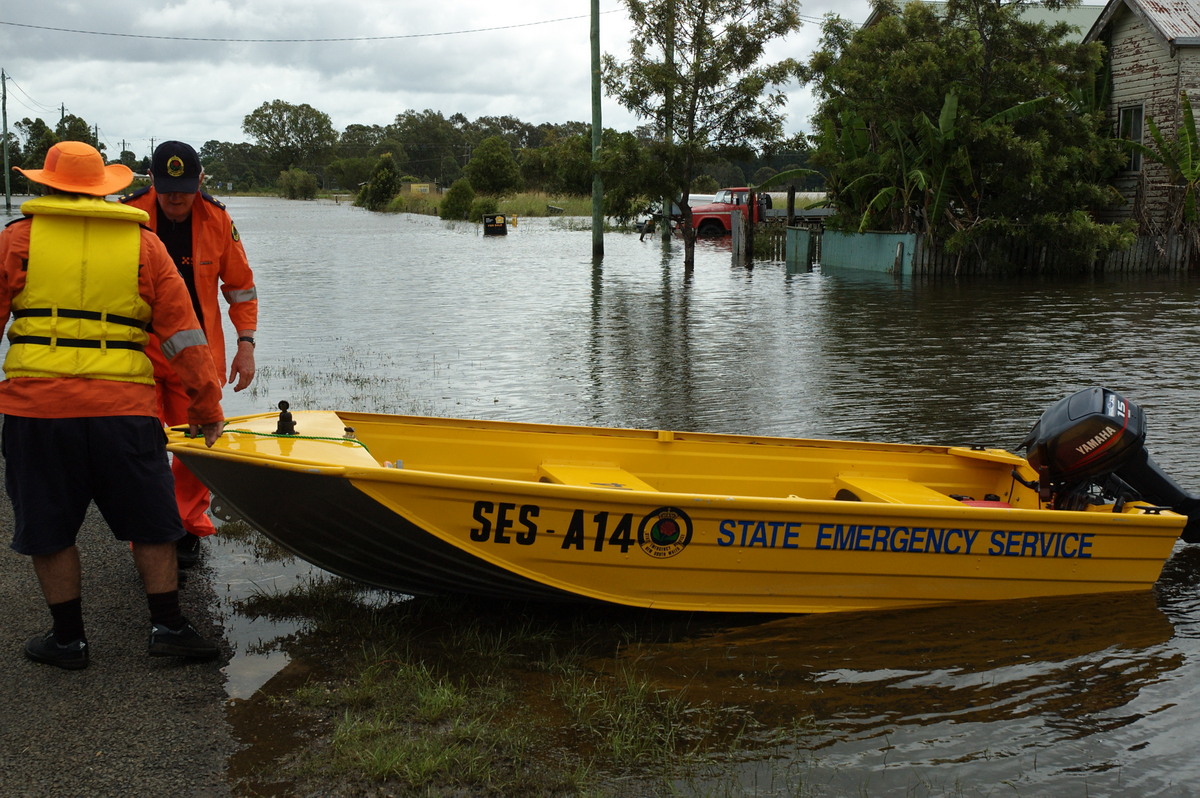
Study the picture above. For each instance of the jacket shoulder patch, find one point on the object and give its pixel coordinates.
(213, 200)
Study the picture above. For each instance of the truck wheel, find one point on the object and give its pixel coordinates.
(710, 229)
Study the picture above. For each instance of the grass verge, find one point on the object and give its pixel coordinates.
(452, 696)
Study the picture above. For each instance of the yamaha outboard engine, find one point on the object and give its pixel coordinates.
(1090, 445)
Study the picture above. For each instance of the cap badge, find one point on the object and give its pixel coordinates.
(175, 167)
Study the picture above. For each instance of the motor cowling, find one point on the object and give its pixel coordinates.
(1094, 441)
(1086, 435)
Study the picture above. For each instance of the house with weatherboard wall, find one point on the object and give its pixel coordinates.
(1153, 54)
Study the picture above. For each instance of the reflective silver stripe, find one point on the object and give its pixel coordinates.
(244, 295)
(182, 340)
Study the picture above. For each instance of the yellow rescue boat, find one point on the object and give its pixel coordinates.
(695, 521)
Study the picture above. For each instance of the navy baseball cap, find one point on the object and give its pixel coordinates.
(176, 168)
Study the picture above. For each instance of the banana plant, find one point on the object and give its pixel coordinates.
(923, 166)
(1181, 157)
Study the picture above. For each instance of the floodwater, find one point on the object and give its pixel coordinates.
(1080, 696)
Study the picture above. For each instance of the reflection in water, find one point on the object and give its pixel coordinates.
(912, 689)
(1087, 695)
(1080, 696)
(924, 666)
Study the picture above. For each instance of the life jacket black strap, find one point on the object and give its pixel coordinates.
(79, 343)
(71, 313)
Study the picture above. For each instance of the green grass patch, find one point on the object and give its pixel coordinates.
(529, 204)
(539, 204)
(452, 696)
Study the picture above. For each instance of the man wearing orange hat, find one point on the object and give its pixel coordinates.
(206, 248)
(83, 282)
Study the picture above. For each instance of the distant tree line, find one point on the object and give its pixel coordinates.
(497, 154)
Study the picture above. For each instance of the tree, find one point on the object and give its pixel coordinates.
(492, 168)
(39, 138)
(383, 184)
(458, 200)
(360, 141)
(518, 134)
(762, 175)
(963, 123)
(630, 169)
(291, 135)
(241, 166)
(436, 148)
(297, 184)
(694, 70)
(350, 173)
(570, 166)
(72, 128)
(16, 152)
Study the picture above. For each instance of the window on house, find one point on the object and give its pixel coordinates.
(1131, 128)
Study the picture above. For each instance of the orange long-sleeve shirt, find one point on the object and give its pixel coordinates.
(163, 289)
(219, 268)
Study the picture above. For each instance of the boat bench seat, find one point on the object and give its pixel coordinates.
(890, 489)
(591, 476)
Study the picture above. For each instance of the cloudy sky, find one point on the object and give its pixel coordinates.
(144, 71)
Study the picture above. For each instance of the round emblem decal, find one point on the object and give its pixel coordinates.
(175, 167)
(665, 532)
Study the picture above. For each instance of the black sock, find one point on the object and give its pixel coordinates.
(164, 609)
(68, 620)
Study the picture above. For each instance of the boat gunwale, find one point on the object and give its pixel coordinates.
(1137, 513)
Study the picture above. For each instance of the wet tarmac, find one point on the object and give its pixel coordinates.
(126, 725)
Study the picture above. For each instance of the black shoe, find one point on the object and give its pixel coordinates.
(187, 550)
(184, 642)
(45, 648)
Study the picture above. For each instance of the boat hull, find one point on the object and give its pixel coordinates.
(606, 526)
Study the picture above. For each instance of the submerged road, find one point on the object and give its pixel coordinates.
(126, 725)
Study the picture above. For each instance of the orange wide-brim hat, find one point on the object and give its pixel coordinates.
(79, 168)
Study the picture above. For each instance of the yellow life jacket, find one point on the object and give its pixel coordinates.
(80, 313)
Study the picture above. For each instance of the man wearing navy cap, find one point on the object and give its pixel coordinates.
(208, 252)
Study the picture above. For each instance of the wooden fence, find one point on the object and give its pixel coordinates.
(917, 255)
(1148, 255)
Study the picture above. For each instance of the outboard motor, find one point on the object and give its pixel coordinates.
(1090, 445)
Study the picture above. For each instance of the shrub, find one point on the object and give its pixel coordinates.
(297, 184)
(383, 184)
(482, 206)
(457, 202)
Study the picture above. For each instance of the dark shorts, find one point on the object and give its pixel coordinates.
(55, 466)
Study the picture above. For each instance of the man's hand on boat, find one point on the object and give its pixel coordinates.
(210, 431)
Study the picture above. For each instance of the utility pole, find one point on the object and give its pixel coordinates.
(597, 183)
(669, 115)
(4, 114)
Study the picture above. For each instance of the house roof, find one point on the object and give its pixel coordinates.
(1081, 17)
(1176, 21)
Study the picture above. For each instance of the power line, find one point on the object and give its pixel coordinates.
(42, 106)
(299, 41)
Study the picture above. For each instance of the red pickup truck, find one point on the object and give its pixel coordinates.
(713, 218)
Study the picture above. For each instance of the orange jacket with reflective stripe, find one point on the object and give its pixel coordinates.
(219, 266)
